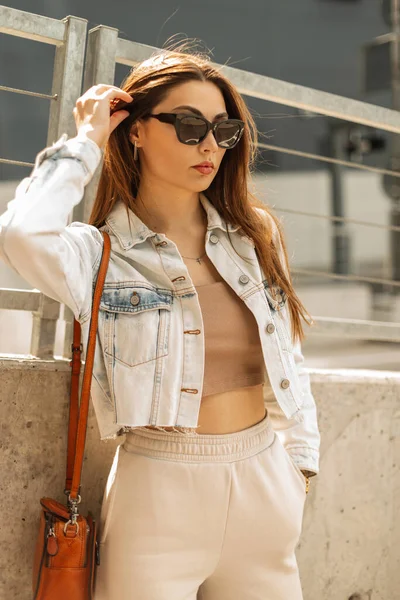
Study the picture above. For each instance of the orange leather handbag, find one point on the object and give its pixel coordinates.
(67, 551)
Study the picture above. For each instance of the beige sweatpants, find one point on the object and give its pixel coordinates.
(201, 517)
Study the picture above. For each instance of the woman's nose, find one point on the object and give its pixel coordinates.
(210, 141)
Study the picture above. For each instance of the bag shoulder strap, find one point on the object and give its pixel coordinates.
(78, 413)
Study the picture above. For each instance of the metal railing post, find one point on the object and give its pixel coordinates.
(44, 324)
(67, 84)
(67, 78)
(69, 37)
(99, 68)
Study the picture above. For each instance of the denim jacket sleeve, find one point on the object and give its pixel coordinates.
(301, 438)
(35, 238)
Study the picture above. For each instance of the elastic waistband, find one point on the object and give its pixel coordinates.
(224, 447)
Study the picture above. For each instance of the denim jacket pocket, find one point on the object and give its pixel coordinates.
(136, 323)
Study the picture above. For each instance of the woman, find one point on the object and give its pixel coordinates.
(198, 359)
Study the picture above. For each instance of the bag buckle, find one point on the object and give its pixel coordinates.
(72, 523)
(68, 491)
(73, 508)
(77, 348)
(74, 501)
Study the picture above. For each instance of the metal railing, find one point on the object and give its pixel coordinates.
(104, 51)
(69, 37)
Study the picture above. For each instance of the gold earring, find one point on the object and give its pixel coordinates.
(135, 153)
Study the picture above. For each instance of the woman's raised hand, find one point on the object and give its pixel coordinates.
(92, 112)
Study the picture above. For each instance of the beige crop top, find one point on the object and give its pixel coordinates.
(233, 354)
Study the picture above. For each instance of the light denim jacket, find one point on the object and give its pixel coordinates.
(149, 360)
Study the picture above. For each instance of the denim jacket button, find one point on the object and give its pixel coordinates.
(270, 328)
(243, 279)
(278, 298)
(135, 299)
(213, 238)
(285, 383)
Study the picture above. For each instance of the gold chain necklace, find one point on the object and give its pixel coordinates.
(198, 259)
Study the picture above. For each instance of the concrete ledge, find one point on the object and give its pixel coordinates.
(24, 363)
(34, 404)
(351, 531)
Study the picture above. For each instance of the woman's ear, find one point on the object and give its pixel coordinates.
(134, 136)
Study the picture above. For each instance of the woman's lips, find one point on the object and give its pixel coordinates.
(204, 170)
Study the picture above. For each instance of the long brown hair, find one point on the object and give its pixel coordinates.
(149, 83)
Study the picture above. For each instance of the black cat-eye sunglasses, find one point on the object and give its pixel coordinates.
(192, 129)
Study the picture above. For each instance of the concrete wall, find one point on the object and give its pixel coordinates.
(351, 532)
(34, 401)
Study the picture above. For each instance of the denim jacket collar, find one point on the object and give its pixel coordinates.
(135, 231)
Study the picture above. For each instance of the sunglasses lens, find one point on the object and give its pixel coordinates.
(228, 134)
(192, 130)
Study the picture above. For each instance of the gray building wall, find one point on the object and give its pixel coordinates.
(315, 43)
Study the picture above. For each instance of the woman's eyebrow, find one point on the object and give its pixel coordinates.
(198, 112)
